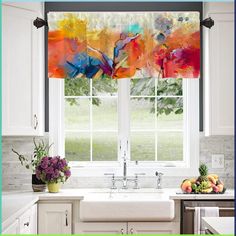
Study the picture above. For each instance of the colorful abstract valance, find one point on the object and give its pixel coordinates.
(124, 44)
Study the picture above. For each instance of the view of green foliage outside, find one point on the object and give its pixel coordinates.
(156, 110)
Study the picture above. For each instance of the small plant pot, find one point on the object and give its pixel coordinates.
(37, 184)
(53, 187)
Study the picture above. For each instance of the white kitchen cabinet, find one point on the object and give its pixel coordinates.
(28, 221)
(219, 69)
(22, 71)
(101, 228)
(54, 218)
(127, 228)
(12, 229)
(153, 228)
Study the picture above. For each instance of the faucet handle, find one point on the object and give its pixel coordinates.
(159, 174)
(113, 181)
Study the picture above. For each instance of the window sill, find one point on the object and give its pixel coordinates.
(116, 168)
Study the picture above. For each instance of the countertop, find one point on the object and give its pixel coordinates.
(15, 203)
(228, 195)
(219, 225)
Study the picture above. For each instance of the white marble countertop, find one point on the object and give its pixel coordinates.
(15, 203)
(228, 195)
(219, 225)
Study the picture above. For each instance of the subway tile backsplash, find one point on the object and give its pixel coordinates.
(16, 177)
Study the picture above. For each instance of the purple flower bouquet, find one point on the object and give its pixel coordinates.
(53, 170)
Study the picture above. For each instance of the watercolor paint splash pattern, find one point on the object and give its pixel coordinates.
(124, 45)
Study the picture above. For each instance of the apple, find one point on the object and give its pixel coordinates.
(188, 189)
(216, 189)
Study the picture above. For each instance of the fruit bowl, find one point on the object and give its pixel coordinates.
(203, 184)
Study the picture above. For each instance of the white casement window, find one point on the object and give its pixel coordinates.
(152, 123)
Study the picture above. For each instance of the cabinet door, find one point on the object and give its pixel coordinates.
(54, 218)
(153, 228)
(12, 229)
(101, 228)
(219, 74)
(22, 72)
(28, 221)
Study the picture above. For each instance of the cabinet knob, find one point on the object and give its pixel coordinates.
(26, 224)
(35, 121)
(122, 231)
(131, 231)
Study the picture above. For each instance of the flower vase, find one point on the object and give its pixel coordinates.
(37, 184)
(53, 187)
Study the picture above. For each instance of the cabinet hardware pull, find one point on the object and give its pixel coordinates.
(66, 218)
(26, 224)
(35, 121)
(122, 231)
(131, 231)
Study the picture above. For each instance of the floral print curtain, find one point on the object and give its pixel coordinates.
(120, 45)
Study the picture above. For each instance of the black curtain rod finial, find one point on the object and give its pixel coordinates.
(38, 23)
(208, 22)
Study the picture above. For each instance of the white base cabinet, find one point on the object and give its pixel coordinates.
(24, 224)
(101, 228)
(55, 218)
(153, 228)
(127, 228)
(28, 221)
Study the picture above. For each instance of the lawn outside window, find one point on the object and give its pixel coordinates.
(95, 125)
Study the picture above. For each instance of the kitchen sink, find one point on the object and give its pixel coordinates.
(127, 205)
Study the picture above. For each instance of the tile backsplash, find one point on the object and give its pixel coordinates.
(16, 177)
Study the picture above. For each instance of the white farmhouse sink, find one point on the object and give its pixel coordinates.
(127, 206)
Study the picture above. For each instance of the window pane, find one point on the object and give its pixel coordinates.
(169, 113)
(104, 87)
(105, 114)
(142, 87)
(169, 87)
(77, 146)
(142, 113)
(142, 146)
(105, 146)
(170, 146)
(77, 114)
(77, 87)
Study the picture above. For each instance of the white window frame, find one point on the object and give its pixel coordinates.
(174, 168)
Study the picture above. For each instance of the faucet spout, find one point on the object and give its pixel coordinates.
(124, 169)
(124, 173)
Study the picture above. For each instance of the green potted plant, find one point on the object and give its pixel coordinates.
(40, 150)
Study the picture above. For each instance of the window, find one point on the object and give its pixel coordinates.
(154, 122)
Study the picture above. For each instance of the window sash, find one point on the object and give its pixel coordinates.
(191, 137)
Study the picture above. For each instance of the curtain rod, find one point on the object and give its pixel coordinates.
(39, 22)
